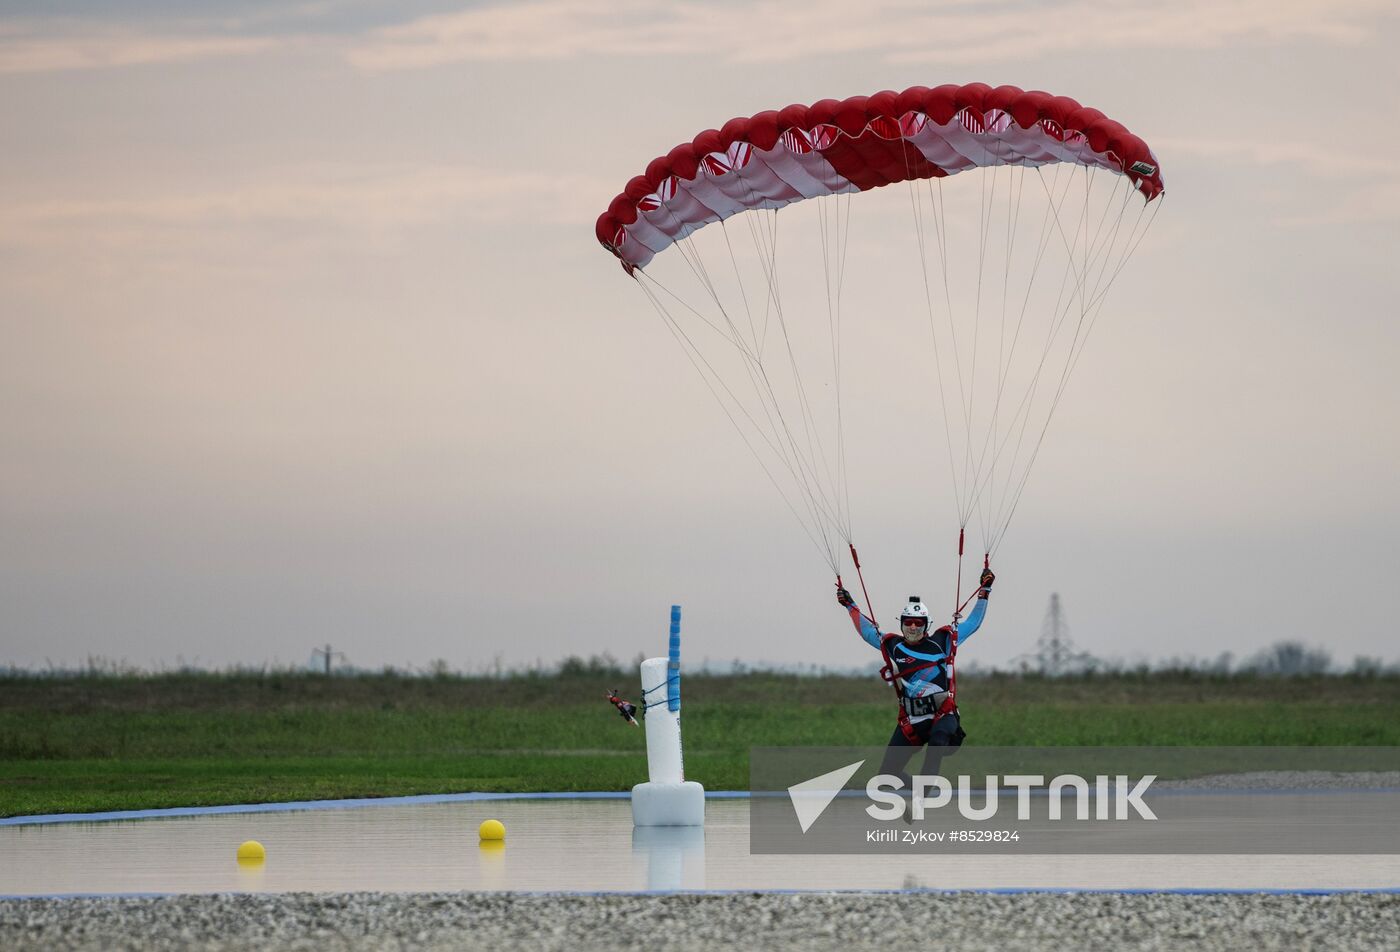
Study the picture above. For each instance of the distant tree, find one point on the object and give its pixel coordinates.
(1367, 667)
(1286, 659)
(603, 665)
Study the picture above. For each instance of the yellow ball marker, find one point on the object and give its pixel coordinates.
(251, 852)
(492, 831)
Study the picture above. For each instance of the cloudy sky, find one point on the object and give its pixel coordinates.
(305, 337)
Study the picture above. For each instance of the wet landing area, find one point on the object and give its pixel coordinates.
(584, 845)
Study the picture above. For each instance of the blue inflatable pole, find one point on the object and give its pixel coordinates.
(673, 669)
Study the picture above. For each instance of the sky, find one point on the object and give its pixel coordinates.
(306, 339)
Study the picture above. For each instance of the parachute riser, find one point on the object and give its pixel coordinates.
(960, 603)
(855, 559)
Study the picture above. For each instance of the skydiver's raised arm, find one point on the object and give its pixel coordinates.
(969, 625)
(864, 626)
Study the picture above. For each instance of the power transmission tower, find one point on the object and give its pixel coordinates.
(1055, 653)
(329, 656)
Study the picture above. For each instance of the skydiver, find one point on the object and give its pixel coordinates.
(920, 666)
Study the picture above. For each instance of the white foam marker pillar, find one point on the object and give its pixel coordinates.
(667, 798)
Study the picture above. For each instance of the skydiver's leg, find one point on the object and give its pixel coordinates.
(945, 736)
(904, 744)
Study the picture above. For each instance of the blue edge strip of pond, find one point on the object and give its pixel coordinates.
(328, 805)
(481, 797)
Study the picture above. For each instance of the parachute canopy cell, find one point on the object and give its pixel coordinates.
(778, 157)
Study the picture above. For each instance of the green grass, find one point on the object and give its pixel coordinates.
(83, 744)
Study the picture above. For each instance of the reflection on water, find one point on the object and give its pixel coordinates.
(573, 845)
(674, 856)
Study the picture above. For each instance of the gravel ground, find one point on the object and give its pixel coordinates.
(503, 922)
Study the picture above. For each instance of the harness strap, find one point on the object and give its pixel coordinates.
(890, 672)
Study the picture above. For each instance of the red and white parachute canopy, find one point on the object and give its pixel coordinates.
(996, 283)
(782, 156)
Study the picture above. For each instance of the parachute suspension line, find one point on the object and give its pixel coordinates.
(719, 331)
(985, 209)
(770, 404)
(1009, 246)
(813, 520)
(1084, 261)
(833, 282)
(803, 469)
(691, 256)
(839, 498)
(756, 352)
(940, 217)
(796, 464)
(827, 270)
(825, 482)
(1042, 244)
(702, 274)
(916, 204)
(786, 448)
(834, 242)
(1028, 401)
(846, 240)
(766, 248)
(1130, 245)
(1007, 496)
(1025, 404)
(1015, 193)
(701, 365)
(969, 490)
(1134, 239)
(816, 451)
(987, 478)
(1091, 305)
(940, 241)
(734, 333)
(832, 264)
(816, 448)
(674, 325)
(743, 292)
(1092, 249)
(976, 502)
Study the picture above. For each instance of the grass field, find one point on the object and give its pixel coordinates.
(89, 743)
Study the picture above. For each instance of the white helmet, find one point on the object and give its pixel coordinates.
(914, 610)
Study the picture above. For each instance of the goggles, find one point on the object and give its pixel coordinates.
(914, 622)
